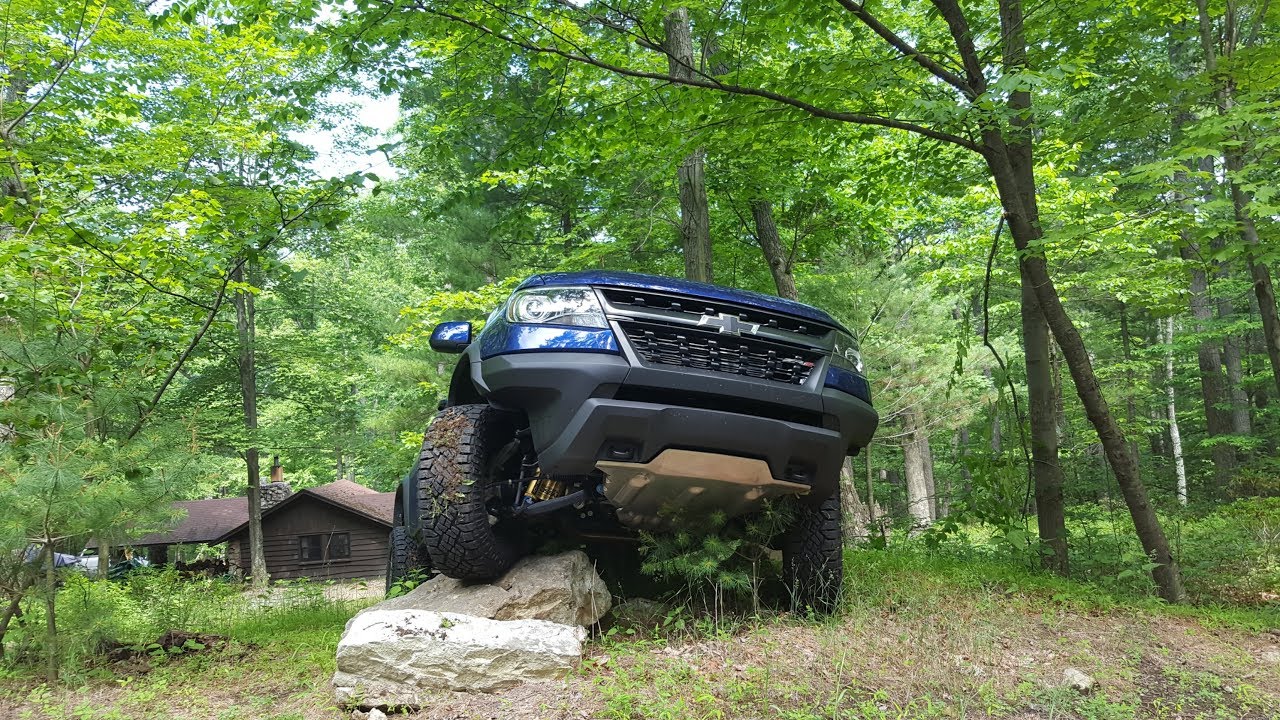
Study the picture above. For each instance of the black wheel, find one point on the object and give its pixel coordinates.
(466, 457)
(403, 555)
(812, 560)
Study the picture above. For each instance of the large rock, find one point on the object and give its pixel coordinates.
(397, 658)
(451, 635)
(561, 588)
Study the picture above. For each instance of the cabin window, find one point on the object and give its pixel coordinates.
(339, 546)
(311, 548)
(328, 546)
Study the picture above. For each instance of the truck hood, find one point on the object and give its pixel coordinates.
(609, 278)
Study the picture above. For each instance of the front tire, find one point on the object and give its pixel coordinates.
(457, 483)
(812, 556)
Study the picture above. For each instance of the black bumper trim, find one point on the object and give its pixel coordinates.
(570, 400)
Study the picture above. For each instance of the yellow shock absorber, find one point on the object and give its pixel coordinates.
(545, 488)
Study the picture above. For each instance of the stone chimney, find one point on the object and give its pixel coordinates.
(274, 492)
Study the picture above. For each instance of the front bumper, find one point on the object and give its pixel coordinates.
(588, 407)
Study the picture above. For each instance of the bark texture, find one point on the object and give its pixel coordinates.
(1171, 408)
(854, 517)
(695, 215)
(249, 399)
(777, 257)
(1213, 384)
(1046, 471)
(1046, 468)
(916, 459)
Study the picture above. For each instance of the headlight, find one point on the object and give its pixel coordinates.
(557, 306)
(846, 354)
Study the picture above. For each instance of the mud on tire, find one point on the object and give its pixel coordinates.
(455, 484)
(812, 556)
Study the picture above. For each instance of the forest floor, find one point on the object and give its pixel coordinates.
(917, 639)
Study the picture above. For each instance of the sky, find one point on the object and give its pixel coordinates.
(334, 156)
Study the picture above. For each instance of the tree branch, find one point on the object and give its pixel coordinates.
(710, 83)
(139, 276)
(859, 10)
(76, 47)
(960, 32)
(212, 315)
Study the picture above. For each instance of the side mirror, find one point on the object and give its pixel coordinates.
(451, 337)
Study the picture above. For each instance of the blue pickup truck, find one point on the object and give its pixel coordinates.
(599, 403)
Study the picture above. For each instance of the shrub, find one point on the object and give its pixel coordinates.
(717, 560)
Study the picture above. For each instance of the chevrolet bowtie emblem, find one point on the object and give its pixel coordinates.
(729, 324)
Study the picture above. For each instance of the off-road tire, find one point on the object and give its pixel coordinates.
(812, 556)
(403, 555)
(455, 476)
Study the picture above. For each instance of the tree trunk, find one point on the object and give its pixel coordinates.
(1046, 470)
(914, 454)
(931, 485)
(1241, 201)
(1118, 452)
(872, 519)
(1238, 415)
(10, 611)
(50, 614)
(853, 513)
(1001, 161)
(1175, 436)
(1126, 347)
(775, 255)
(245, 331)
(997, 433)
(695, 216)
(1046, 467)
(1212, 382)
(962, 445)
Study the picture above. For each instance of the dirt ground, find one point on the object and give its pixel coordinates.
(960, 662)
(997, 655)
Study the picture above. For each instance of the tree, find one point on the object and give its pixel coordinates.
(1233, 154)
(113, 129)
(990, 118)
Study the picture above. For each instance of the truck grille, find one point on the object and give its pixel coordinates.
(693, 308)
(662, 344)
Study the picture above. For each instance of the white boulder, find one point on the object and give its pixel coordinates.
(452, 635)
(397, 658)
(561, 588)
(1078, 680)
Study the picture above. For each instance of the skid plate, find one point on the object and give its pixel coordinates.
(686, 484)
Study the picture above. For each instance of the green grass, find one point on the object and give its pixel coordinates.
(953, 631)
(276, 662)
(947, 632)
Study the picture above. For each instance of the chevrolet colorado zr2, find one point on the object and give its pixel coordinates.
(593, 404)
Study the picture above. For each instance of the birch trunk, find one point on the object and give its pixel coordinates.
(853, 513)
(1175, 436)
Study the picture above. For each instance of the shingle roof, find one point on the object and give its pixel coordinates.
(350, 496)
(377, 505)
(204, 521)
(214, 521)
